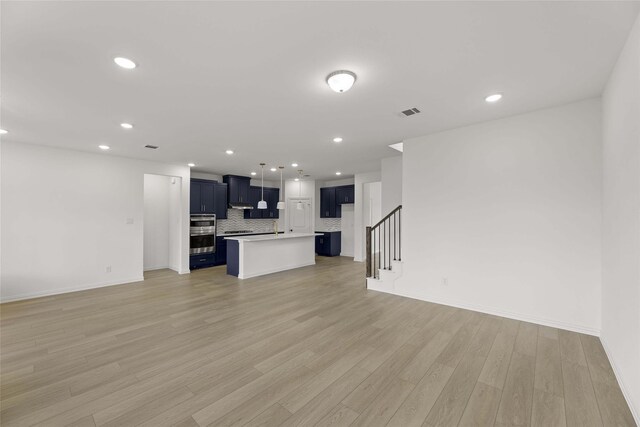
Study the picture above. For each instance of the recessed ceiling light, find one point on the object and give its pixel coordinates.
(103, 147)
(295, 165)
(297, 179)
(337, 139)
(338, 173)
(126, 125)
(493, 98)
(191, 164)
(341, 81)
(273, 169)
(254, 173)
(3, 132)
(125, 63)
(229, 152)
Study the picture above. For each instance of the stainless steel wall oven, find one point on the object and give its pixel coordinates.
(202, 233)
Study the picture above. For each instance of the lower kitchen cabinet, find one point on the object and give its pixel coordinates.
(329, 244)
(201, 261)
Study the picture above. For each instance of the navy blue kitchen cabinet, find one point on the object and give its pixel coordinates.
(208, 197)
(328, 206)
(221, 251)
(345, 194)
(329, 244)
(195, 199)
(201, 261)
(238, 188)
(220, 200)
(202, 197)
(271, 196)
(254, 198)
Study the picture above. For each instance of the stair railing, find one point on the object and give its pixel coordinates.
(384, 243)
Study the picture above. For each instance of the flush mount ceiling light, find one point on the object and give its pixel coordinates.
(103, 147)
(295, 165)
(262, 204)
(341, 81)
(126, 125)
(229, 152)
(494, 98)
(337, 139)
(3, 132)
(191, 164)
(280, 204)
(125, 62)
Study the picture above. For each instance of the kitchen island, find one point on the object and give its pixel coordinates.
(251, 256)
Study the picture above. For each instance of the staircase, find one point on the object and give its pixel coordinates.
(384, 252)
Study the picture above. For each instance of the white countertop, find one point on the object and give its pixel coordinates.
(272, 237)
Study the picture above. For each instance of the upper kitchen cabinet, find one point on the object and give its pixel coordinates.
(345, 194)
(254, 198)
(238, 189)
(208, 197)
(328, 206)
(220, 200)
(202, 197)
(271, 196)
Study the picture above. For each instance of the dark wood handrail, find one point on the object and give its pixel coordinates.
(384, 243)
(386, 217)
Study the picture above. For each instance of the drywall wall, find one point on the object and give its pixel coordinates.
(359, 242)
(161, 222)
(621, 220)
(509, 213)
(69, 215)
(391, 173)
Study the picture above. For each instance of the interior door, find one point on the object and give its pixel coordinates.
(299, 219)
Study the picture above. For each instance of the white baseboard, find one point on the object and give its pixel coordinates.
(48, 293)
(625, 391)
(504, 313)
(162, 267)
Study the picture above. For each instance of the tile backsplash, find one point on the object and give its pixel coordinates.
(329, 224)
(235, 221)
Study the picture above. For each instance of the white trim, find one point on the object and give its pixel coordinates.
(625, 390)
(71, 289)
(159, 268)
(504, 313)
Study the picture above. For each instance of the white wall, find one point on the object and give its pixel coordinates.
(509, 212)
(161, 222)
(391, 170)
(67, 215)
(621, 220)
(359, 244)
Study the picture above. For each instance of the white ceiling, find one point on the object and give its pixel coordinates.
(250, 76)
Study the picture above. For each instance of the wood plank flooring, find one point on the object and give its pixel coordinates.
(300, 348)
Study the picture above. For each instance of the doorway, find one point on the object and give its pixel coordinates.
(162, 222)
(299, 220)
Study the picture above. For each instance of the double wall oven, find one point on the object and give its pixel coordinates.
(202, 233)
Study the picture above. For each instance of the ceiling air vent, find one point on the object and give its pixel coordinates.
(153, 147)
(410, 112)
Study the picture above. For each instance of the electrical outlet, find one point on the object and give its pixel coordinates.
(445, 281)
(108, 269)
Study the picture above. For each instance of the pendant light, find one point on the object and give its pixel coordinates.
(280, 202)
(300, 205)
(262, 204)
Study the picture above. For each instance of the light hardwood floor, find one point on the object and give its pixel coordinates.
(306, 347)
